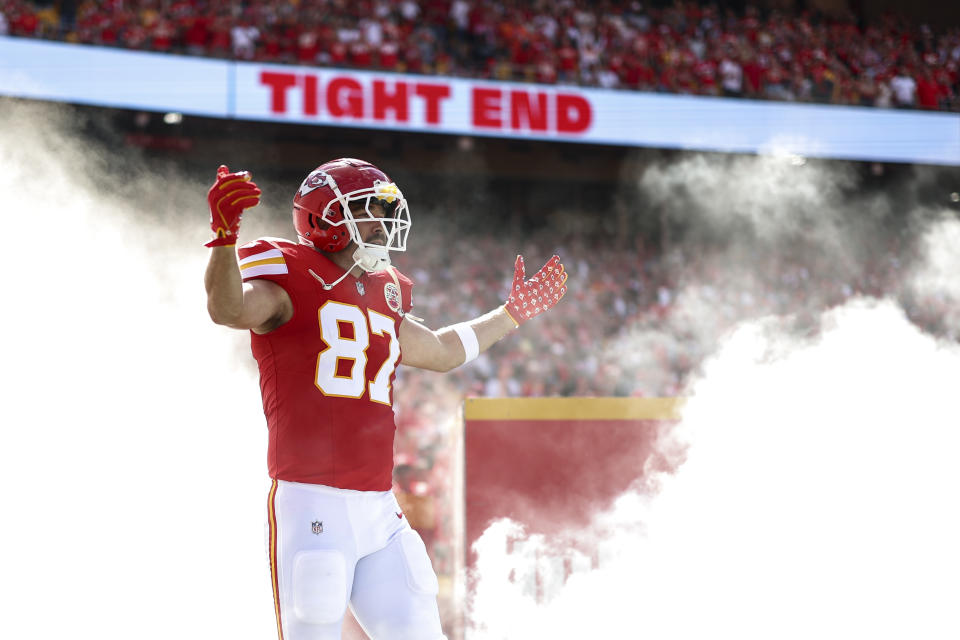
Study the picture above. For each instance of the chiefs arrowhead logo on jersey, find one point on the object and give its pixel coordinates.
(391, 293)
(315, 180)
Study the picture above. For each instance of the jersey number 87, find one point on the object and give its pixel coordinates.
(341, 367)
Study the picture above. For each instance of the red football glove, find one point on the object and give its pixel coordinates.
(228, 197)
(534, 296)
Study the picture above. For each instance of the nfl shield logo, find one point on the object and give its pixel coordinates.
(317, 527)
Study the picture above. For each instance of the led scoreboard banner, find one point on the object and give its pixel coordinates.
(110, 77)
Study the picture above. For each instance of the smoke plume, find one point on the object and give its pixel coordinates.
(819, 438)
(132, 450)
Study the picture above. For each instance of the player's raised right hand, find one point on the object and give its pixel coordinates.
(530, 298)
(228, 197)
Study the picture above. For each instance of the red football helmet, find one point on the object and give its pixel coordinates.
(323, 218)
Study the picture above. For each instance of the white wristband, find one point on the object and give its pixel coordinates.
(468, 338)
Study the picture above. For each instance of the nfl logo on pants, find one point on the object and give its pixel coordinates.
(317, 527)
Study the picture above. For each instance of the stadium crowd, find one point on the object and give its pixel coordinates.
(687, 47)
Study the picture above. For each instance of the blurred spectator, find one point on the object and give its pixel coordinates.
(753, 72)
(308, 47)
(775, 85)
(904, 88)
(928, 91)
(197, 35)
(23, 20)
(243, 40)
(731, 75)
(884, 97)
(220, 40)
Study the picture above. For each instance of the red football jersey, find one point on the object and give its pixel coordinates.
(326, 376)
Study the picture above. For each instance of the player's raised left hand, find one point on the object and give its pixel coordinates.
(228, 197)
(530, 298)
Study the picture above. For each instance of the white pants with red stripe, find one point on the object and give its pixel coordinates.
(330, 548)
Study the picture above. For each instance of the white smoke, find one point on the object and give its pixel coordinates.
(819, 437)
(132, 457)
(933, 281)
(938, 270)
(816, 500)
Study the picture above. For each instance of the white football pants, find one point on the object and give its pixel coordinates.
(332, 547)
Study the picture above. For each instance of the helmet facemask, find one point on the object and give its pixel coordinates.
(394, 224)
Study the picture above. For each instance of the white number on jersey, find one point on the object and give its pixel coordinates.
(341, 367)
(380, 386)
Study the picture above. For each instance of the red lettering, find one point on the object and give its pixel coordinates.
(486, 108)
(384, 101)
(432, 95)
(278, 83)
(523, 114)
(310, 95)
(345, 98)
(574, 114)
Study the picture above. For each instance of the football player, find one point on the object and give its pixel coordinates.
(329, 321)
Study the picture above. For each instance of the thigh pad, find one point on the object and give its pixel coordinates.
(420, 575)
(319, 586)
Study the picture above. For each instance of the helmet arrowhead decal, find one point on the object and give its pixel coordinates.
(315, 180)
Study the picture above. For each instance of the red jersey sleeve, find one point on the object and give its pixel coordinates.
(263, 258)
